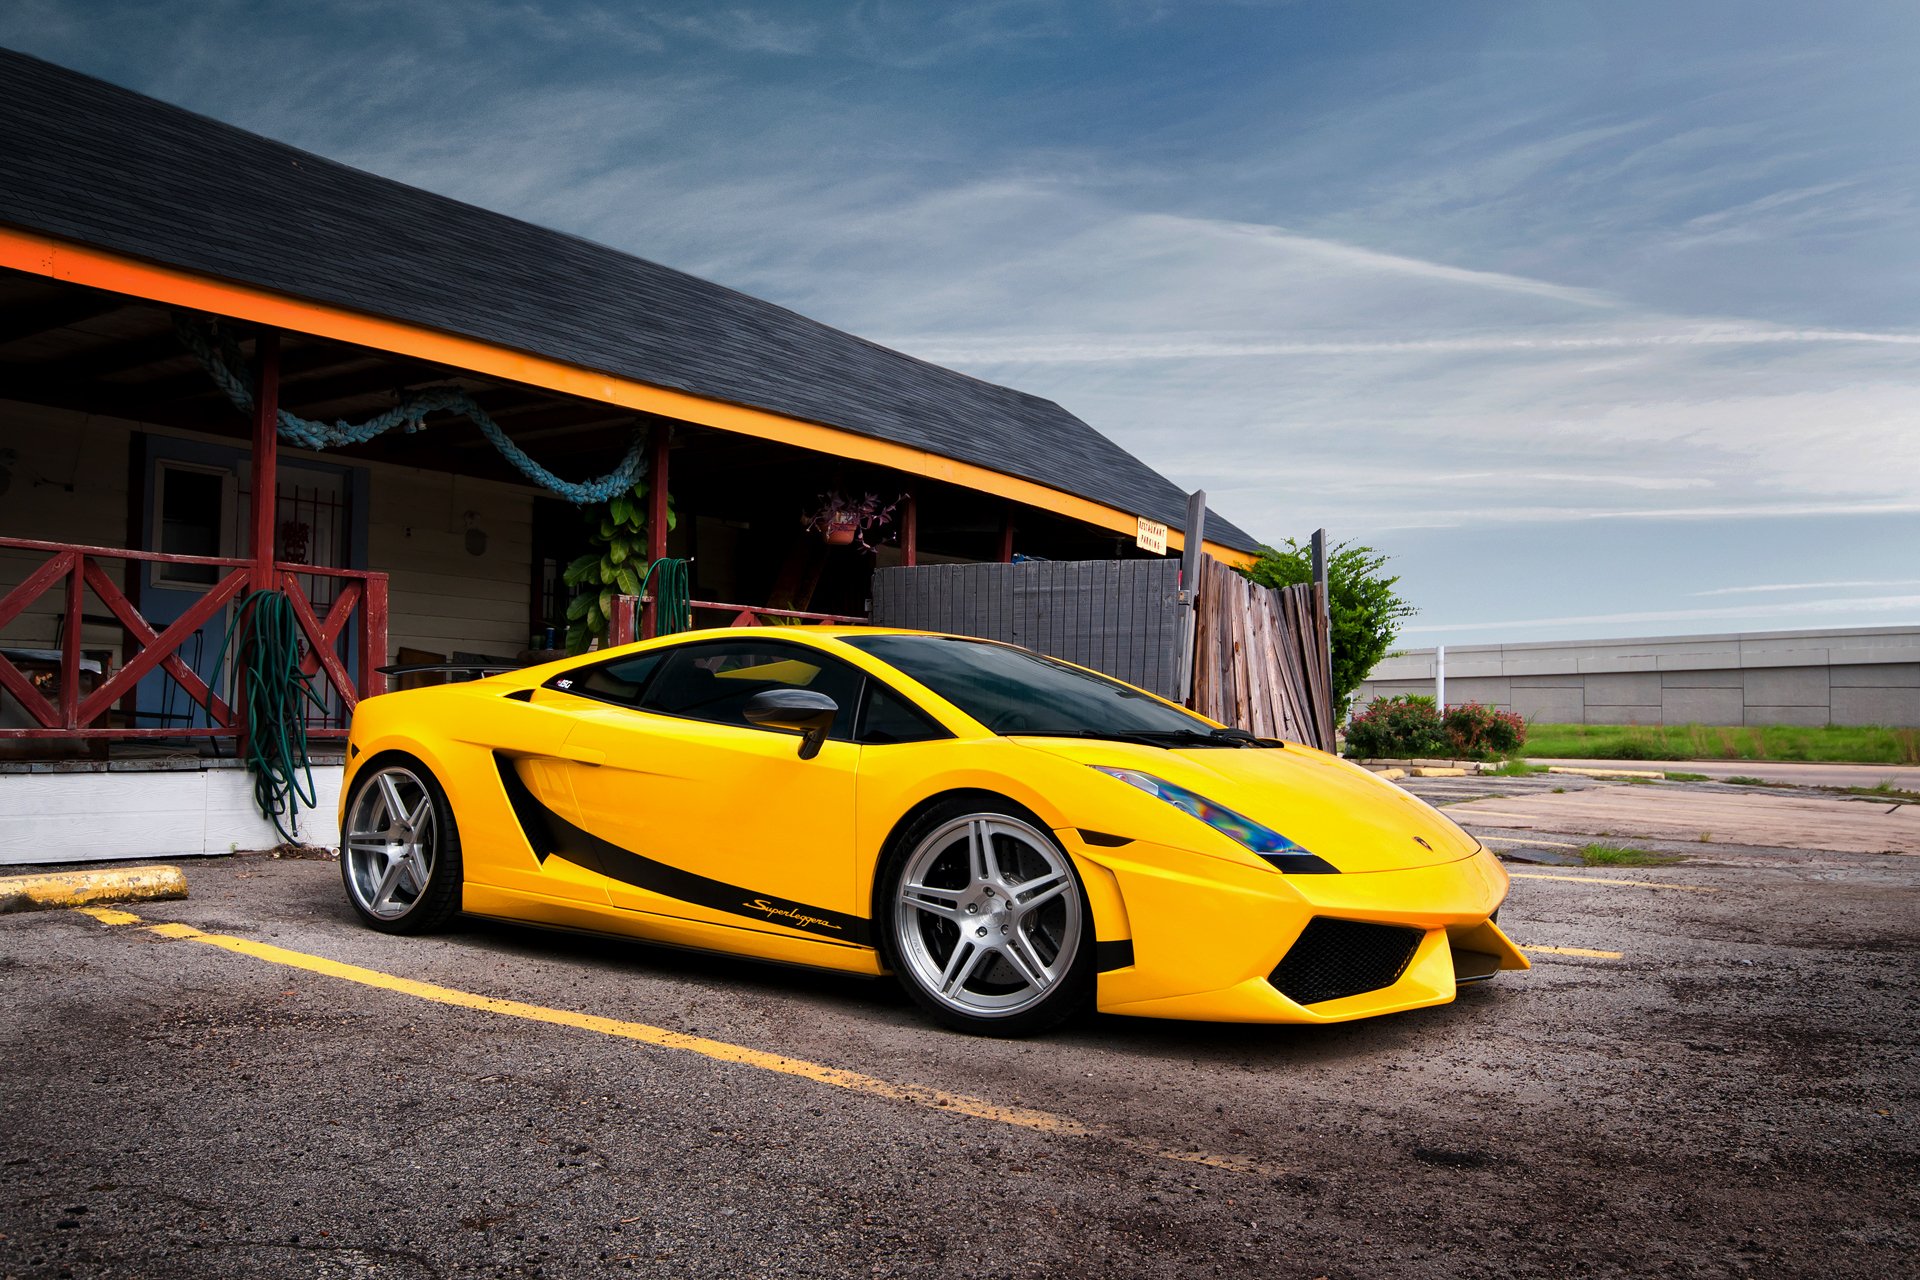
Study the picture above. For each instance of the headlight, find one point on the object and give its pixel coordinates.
(1265, 841)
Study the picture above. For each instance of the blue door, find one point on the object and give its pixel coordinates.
(194, 501)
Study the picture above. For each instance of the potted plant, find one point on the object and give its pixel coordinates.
(844, 521)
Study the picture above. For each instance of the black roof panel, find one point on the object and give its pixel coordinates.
(84, 160)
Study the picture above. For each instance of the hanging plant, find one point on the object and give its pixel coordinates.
(616, 568)
(846, 521)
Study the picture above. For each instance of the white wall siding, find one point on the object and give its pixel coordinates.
(442, 597)
(68, 483)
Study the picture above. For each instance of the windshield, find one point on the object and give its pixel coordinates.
(1012, 691)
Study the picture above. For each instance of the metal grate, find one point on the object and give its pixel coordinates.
(1336, 958)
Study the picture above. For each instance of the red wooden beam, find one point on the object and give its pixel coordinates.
(659, 441)
(36, 582)
(1006, 537)
(137, 626)
(373, 636)
(70, 645)
(910, 533)
(620, 625)
(266, 458)
(320, 638)
(163, 646)
(29, 697)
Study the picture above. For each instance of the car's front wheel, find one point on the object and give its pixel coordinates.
(399, 848)
(985, 921)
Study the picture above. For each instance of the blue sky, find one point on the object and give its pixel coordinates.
(1600, 319)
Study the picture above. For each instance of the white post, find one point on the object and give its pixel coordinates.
(1440, 677)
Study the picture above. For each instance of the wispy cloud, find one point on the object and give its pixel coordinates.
(1839, 606)
(1085, 349)
(1812, 586)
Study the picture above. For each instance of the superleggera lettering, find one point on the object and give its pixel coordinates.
(798, 919)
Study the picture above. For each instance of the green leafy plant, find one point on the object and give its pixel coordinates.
(1362, 605)
(616, 568)
(1393, 728)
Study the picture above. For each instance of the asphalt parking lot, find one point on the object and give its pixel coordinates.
(1711, 1071)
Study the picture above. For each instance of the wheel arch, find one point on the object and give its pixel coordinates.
(1101, 888)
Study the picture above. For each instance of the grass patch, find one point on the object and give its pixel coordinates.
(1870, 744)
(1615, 855)
(1886, 791)
(1515, 769)
(1674, 775)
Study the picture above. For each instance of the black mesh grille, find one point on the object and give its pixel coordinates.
(1335, 958)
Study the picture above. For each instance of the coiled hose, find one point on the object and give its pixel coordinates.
(266, 641)
(672, 608)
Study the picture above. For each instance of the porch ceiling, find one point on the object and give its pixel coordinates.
(70, 347)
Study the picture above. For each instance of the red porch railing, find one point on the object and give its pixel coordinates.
(629, 622)
(358, 610)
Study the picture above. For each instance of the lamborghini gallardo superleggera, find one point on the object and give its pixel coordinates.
(1016, 839)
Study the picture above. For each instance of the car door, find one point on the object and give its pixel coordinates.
(695, 813)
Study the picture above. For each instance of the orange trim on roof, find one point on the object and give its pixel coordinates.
(117, 273)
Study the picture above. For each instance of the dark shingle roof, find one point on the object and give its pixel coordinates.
(84, 160)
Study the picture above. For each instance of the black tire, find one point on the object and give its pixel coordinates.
(1002, 946)
(385, 855)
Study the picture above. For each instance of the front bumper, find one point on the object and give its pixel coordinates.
(1208, 937)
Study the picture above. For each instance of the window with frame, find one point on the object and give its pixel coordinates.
(715, 681)
(191, 507)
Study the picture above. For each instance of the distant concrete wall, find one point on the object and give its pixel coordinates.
(1868, 675)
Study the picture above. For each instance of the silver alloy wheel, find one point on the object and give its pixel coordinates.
(389, 843)
(987, 914)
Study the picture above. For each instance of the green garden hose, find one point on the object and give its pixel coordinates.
(672, 612)
(266, 640)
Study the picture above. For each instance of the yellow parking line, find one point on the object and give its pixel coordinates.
(1577, 951)
(1638, 884)
(719, 1050)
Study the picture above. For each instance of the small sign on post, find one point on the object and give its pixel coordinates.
(1152, 537)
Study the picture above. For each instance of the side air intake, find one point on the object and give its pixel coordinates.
(1337, 958)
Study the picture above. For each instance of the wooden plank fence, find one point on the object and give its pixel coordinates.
(1122, 617)
(1257, 661)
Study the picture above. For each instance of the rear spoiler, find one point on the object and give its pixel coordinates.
(449, 668)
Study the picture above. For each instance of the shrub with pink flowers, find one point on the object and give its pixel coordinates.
(1479, 732)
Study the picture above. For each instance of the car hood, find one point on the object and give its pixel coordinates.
(1353, 819)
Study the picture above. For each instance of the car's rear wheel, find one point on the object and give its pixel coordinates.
(985, 921)
(399, 848)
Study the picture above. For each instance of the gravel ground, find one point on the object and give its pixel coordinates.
(1735, 1096)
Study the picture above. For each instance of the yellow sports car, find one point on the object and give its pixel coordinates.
(1015, 838)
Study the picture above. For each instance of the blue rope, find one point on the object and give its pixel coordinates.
(220, 355)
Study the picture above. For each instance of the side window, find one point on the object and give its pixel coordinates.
(620, 682)
(890, 718)
(716, 680)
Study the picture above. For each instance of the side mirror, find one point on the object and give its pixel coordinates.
(803, 711)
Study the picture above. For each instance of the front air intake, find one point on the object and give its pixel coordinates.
(1336, 958)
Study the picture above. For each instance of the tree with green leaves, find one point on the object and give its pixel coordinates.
(617, 567)
(1365, 609)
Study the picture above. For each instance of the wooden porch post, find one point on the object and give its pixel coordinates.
(659, 437)
(266, 458)
(261, 502)
(1006, 537)
(910, 533)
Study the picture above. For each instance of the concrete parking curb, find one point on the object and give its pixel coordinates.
(1606, 773)
(78, 888)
